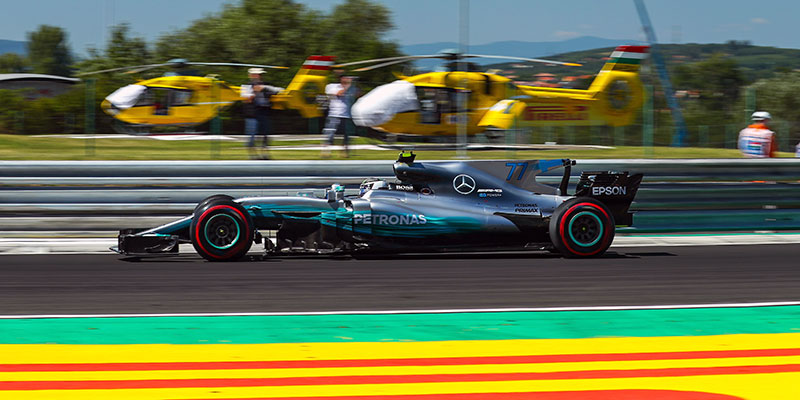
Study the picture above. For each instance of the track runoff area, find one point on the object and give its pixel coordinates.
(675, 352)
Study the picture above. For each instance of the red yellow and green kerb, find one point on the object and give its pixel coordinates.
(700, 354)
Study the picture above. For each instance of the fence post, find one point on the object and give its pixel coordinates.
(89, 122)
(511, 140)
(749, 103)
(462, 119)
(216, 123)
(69, 123)
(19, 127)
(703, 135)
(730, 137)
(785, 138)
(647, 120)
(619, 136)
(313, 125)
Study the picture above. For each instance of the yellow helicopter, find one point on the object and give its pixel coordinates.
(304, 93)
(176, 99)
(429, 104)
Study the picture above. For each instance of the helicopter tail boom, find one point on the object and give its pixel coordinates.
(626, 58)
(612, 98)
(617, 88)
(304, 91)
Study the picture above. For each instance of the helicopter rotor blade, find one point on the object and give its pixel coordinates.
(386, 64)
(381, 65)
(132, 69)
(237, 65)
(148, 66)
(145, 68)
(447, 56)
(401, 58)
(538, 60)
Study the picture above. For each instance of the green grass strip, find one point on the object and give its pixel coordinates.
(404, 327)
(20, 147)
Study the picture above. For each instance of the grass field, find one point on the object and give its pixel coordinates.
(19, 147)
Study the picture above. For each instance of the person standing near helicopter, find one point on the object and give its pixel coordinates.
(341, 96)
(257, 107)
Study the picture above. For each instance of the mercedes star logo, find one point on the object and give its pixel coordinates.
(464, 184)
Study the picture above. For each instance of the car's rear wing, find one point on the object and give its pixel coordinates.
(614, 189)
(492, 173)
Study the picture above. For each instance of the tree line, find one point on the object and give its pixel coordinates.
(713, 80)
(272, 32)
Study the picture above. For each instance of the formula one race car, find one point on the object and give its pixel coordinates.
(432, 207)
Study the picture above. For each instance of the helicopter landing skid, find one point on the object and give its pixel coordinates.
(147, 130)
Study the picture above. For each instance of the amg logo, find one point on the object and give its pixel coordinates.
(394, 219)
(609, 190)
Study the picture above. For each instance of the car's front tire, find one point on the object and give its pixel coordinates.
(221, 230)
(212, 198)
(582, 227)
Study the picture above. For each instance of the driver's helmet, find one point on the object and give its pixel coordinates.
(371, 184)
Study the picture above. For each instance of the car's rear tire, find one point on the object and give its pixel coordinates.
(221, 230)
(582, 227)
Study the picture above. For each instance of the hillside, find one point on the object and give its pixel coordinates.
(12, 46)
(513, 48)
(756, 62)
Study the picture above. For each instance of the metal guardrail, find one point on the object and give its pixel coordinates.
(659, 169)
(701, 194)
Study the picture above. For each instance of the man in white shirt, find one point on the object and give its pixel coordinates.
(256, 95)
(341, 96)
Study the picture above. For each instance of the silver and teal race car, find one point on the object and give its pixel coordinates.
(431, 207)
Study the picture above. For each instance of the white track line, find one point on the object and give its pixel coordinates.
(55, 246)
(393, 312)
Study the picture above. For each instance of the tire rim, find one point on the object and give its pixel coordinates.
(222, 231)
(585, 229)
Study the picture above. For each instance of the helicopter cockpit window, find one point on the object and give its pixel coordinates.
(429, 105)
(434, 101)
(145, 99)
(160, 101)
(456, 101)
(180, 97)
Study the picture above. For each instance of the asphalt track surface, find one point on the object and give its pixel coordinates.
(107, 284)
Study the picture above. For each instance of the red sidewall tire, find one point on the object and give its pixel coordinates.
(235, 215)
(212, 198)
(582, 227)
